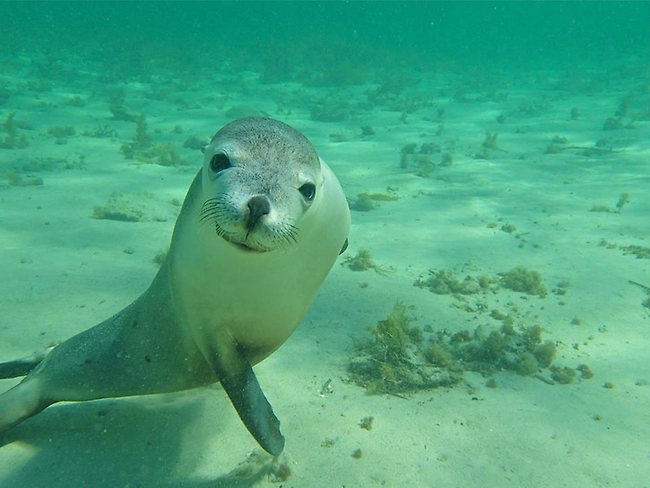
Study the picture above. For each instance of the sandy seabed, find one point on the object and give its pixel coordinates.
(542, 194)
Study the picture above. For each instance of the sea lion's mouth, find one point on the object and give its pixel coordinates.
(244, 247)
(246, 237)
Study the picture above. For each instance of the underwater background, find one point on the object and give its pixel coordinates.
(488, 324)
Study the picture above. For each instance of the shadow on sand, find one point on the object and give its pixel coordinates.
(153, 441)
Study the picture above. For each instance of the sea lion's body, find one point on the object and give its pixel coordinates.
(246, 260)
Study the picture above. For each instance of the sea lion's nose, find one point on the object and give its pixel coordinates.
(258, 206)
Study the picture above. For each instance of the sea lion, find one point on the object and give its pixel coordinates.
(260, 228)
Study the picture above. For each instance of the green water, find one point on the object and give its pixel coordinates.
(495, 156)
(318, 35)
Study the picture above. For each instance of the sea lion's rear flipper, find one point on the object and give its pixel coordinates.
(21, 402)
(22, 366)
(241, 385)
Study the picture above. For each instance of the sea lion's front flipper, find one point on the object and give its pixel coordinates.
(241, 385)
(344, 246)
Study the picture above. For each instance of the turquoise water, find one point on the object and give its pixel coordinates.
(487, 325)
(490, 34)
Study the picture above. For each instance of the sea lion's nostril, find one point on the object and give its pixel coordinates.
(258, 206)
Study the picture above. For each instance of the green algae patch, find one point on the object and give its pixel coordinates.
(639, 252)
(134, 207)
(16, 179)
(363, 203)
(522, 280)
(400, 358)
(367, 201)
(527, 365)
(142, 149)
(11, 138)
(443, 282)
(380, 197)
(363, 261)
(518, 279)
(564, 375)
(585, 371)
(422, 161)
(545, 354)
(393, 360)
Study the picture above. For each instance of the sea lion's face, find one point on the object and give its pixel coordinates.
(259, 178)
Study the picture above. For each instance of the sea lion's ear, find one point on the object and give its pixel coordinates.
(345, 246)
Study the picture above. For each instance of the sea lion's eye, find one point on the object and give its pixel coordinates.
(219, 162)
(308, 190)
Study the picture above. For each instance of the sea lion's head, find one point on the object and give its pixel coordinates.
(259, 179)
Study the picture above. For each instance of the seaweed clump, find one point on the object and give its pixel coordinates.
(564, 375)
(443, 282)
(363, 261)
(640, 252)
(506, 349)
(393, 360)
(521, 280)
(518, 279)
(623, 200)
(16, 179)
(489, 144)
(420, 162)
(61, 133)
(142, 149)
(331, 108)
(11, 139)
(401, 358)
(366, 201)
(137, 207)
